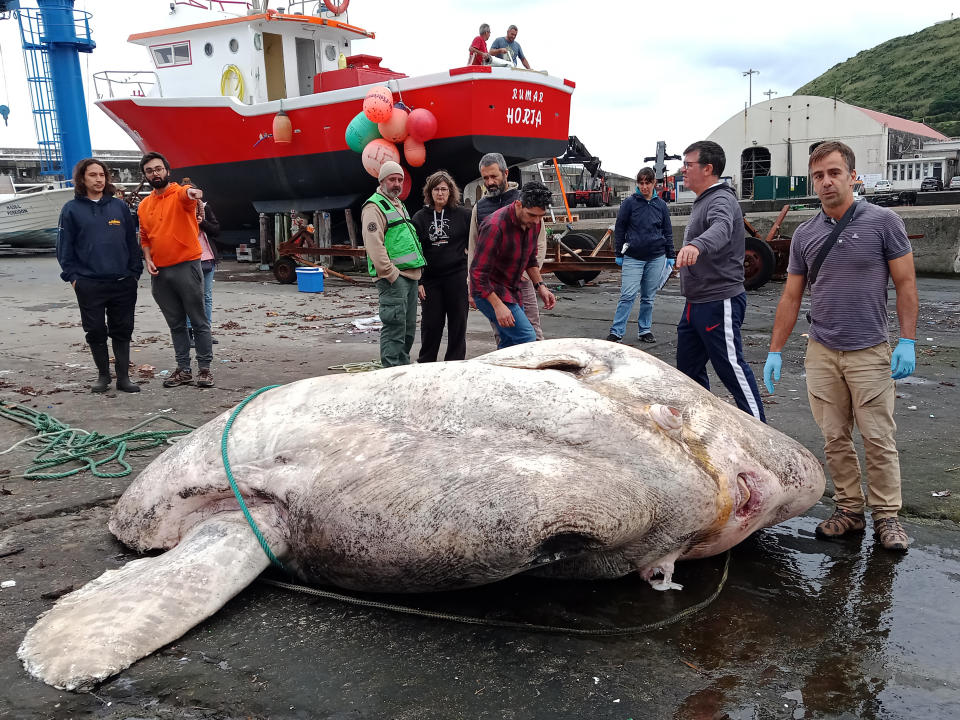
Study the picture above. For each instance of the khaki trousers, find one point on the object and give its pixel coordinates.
(855, 386)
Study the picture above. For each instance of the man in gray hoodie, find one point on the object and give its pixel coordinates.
(711, 278)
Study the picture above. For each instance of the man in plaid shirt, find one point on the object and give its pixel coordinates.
(506, 247)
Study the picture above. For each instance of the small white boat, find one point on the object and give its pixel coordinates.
(29, 216)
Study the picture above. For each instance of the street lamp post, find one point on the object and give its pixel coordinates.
(749, 74)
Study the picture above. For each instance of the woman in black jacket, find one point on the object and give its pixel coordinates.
(443, 226)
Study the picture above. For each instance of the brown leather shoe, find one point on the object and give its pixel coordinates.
(890, 534)
(840, 523)
(180, 376)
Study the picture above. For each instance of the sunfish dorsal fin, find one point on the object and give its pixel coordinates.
(126, 614)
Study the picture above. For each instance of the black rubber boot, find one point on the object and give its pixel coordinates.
(121, 354)
(101, 357)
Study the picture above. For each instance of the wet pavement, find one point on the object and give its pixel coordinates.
(801, 629)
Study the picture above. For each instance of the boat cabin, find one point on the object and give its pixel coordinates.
(260, 57)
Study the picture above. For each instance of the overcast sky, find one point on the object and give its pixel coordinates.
(645, 71)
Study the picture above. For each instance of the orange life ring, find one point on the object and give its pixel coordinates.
(337, 8)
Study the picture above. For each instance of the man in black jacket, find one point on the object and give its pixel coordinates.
(100, 257)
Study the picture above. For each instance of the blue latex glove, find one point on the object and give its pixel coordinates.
(771, 370)
(904, 359)
(671, 262)
(620, 261)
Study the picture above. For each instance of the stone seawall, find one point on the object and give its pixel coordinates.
(936, 252)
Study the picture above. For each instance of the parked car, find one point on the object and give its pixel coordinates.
(955, 182)
(883, 186)
(930, 183)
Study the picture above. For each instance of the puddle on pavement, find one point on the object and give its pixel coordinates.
(49, 306)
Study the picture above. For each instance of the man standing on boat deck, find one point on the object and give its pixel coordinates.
(711, 278)
(506, 247)
(395, 261)
(169, 236)
(498, 193)
(508, 48)
(478, 48)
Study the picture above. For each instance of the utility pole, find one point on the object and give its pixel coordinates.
(768, 93)
(749, 74)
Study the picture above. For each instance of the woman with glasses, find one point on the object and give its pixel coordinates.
(643, 240)
(443, 225)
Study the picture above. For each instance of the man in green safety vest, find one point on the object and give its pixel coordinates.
(395, 261)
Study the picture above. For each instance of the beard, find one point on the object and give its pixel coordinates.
(158, 183)
(494, 190)
(392, 194)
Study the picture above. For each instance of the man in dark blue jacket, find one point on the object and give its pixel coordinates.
(643, 240)
(100, 257)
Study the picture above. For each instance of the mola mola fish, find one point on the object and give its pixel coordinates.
(565, 458)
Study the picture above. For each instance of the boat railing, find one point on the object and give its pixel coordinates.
(221, 5)
(126, 83)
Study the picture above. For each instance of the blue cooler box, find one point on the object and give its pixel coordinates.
(310, 279)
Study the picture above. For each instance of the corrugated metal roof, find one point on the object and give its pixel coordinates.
(898, 123)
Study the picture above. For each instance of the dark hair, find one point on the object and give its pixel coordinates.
(709, 154)
(441, 176)
(153, 156)
(647, 173)
(823, 149)
(535, 194)
(80, 169)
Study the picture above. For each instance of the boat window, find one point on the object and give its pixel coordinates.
(234, 45)
(208, 49)
(171, 55)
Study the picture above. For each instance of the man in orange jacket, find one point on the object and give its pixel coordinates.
(171, 250)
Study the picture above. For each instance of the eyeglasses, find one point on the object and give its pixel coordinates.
(153, 171)
(689, 164)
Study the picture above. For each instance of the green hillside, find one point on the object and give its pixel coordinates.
(915, 76)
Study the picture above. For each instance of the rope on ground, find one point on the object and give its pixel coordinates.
(233, 483)
(59, 444)
(530, 627)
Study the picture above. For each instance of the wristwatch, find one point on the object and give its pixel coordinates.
(536, 285)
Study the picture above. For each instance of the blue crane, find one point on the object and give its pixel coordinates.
(53, 34)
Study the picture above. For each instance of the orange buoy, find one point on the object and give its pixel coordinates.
(414, 152)
(376, 153)
(378, 104)
(395, 129)
(282, 128)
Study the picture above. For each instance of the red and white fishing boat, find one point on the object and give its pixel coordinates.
(219, 81)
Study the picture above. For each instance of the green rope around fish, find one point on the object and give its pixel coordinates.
(233, 483)
(57, 444)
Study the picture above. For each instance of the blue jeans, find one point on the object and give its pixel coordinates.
(207, 297)
(521, 332)
(637, 277)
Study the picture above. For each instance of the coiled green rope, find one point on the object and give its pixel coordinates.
(233, 483)
(59, 444)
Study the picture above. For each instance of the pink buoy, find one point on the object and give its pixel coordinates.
(378, 104)
(376, 153)
(414, 152)
(407, 186)
(395, 129)
(422, 125)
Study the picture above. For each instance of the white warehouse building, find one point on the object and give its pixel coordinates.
(776, 137)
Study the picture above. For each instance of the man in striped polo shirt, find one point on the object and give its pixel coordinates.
(850, 369)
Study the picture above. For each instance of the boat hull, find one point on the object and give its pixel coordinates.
(30, 220)
(225, 148)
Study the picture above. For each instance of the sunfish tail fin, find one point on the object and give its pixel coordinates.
(126, 614)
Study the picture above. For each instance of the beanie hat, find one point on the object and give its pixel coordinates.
(389, 168)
